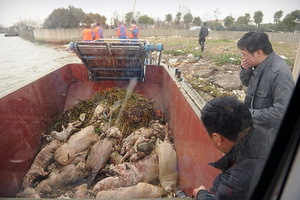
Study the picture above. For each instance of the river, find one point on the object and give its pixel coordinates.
(22, 61)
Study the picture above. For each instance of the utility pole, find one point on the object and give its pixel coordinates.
(132, 12)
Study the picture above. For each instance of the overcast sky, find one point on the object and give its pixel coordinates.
(12, 11)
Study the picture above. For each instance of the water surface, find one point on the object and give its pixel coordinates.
(22, 61)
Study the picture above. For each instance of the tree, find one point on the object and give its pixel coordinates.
(168, 18)
(228, 22)
(258, 17)
(178, 18)
(27, 23)
(277, 16)
(291, 21)
(88, 19)
(188, 18)
(146, 20)
(64, 18)
(197, 21)
(244, 20)
(115, 19)
(129, 17)
(296, 16)
(91, 18)
(75, 16)
(247, 18)
(216, 26)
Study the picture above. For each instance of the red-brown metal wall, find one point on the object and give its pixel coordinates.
(192, 145)
(27, 112)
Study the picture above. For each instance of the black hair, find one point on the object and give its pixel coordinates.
(204, 23)
(226, 116)
(253, 41)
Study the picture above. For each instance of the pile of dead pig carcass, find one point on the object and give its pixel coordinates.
(114, 145)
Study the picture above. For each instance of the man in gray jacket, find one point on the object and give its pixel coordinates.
(268, 78)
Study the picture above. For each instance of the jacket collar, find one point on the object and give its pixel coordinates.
(233, 156)
(266, 62)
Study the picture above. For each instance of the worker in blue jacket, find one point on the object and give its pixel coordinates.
(122, 31)
(134, 31)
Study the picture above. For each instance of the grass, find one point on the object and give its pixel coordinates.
(219, 51)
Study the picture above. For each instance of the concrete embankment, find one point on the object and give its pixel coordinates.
(68, 35)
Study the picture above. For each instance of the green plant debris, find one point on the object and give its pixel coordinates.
(218, 51)
(138, 111)
(205, 86)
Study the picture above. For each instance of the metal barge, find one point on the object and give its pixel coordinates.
(28, 111)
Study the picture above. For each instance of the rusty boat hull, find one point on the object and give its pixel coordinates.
(27, 112)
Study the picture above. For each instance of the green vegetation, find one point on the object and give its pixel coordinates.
(137, 111)
(204, 86)
(227, 58)
(220, 52)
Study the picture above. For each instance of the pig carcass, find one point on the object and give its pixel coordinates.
(101, 150)
(81, 192)
(167, 165)
(77, 143)
(141, 190)
(129, 174)
(64, 134)
(28, 193)
(39, 167)
(63, 176)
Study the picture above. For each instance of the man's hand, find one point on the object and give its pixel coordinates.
(196, 190)
(246, 64)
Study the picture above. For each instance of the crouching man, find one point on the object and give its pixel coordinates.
(246, 147)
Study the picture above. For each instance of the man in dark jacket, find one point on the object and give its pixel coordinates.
(246, 147)
(268, 78)
(202, 35)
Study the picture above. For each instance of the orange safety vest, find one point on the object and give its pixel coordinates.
(96, 32)
(120, 34)
(87, 34)
(131, 36)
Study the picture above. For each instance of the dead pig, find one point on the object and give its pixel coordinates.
(141, 190)
(144, 170)
(61, 177)
(101, 107)
(40, 164)
(29, 193)
(167, 164)
(81, 192)
(64, 134)
(77, 143)
(101, 150)
(137, 145)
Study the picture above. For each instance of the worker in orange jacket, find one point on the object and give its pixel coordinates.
(88, 34)
(122, 31)
(134, 31)
(98, 31)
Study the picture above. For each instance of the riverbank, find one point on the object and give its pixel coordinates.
(67, 35)
(214, 72)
